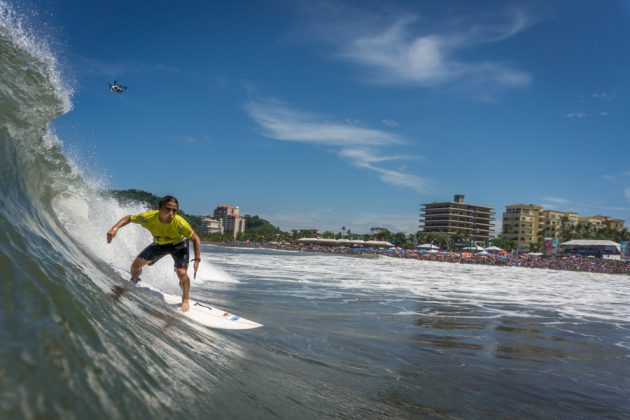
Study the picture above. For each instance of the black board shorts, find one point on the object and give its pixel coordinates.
(178, 251)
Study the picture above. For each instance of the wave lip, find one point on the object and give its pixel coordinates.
(32, 63)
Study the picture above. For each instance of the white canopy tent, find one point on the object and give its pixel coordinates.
(428, 246)
(493, 249)
(307, 240)
(378, 243)
(344, 242)
(595, 247)
(473, 248)
(590, 242)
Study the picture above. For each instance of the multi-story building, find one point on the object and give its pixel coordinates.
(602, 222)
(596, 222)
(211, 225)
(521, 223)
(611, 222)
(456, 217)
(551, 222)
(528, 223)
(231, 218)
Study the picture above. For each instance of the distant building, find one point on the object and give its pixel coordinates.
(456, 216)
(608, 222)
(303, 233)
(521, 223)
(231, 218)
(211, 225)
(551, 221)
(528, 223)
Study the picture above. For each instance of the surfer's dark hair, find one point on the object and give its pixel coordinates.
(167, 199)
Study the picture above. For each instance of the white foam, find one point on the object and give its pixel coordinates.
(500, 291)
(22, 35)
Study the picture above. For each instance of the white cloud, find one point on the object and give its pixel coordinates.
(577, 115)
(626, 193)
(188, 138)
(362, 147)
(390, 123)
(605, 96)
(282, 123)
(365, 158)
(404, 51)
(556, 200)
(580, 115)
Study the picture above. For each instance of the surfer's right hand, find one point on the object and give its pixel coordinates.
(111, 234)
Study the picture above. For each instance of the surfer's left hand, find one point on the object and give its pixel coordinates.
(196, 267)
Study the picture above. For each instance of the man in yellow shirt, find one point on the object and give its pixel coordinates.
(171, 234)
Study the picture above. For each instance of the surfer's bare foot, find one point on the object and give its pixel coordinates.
(185, 306)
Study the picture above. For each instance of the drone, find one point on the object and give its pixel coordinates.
(116, 87)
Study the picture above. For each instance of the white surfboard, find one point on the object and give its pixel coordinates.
(207, 315)
(200, 312)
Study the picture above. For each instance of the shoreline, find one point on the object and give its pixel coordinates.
(562, 263)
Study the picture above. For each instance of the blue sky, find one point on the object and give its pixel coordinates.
(326, 114)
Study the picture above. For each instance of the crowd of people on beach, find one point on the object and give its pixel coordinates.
(559, 262)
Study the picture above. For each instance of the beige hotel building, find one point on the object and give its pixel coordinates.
(527, 223)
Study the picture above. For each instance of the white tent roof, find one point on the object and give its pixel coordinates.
(590, 242)
(427, 246)
(345, 241)
(473, 248)
(493, 248)
(378, 243)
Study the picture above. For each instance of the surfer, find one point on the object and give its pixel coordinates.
(116, 87)
(171, 234)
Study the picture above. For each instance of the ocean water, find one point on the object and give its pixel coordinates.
(343, 337)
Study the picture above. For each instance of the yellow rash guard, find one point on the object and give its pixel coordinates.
(163, 233)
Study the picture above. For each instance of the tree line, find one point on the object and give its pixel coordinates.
(258, 229)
